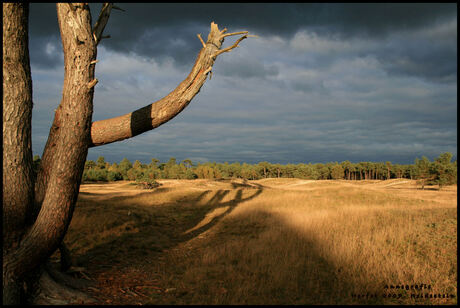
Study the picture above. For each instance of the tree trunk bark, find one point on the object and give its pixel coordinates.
(17, 151)
(17, 118)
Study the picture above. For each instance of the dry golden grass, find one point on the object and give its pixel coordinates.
(271, 241)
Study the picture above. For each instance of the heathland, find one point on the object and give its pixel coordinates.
(267, 241)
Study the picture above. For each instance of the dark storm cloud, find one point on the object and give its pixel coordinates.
(169, 30)
(164, 31)
(266, 18)
(43, 20)
(430, 53)
(379, 19)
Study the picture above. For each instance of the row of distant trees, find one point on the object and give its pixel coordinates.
(442, 171)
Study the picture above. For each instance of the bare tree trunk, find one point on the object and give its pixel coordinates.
(17, 150)
(17, 117)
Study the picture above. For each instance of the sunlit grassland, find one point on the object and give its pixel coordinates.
(271, 241)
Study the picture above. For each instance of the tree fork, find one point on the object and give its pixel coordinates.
(69, 151)
(48, 153)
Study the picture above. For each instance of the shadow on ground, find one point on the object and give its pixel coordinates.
(145, 230)
(145, 233)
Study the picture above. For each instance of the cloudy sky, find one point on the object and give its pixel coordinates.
(320, 83)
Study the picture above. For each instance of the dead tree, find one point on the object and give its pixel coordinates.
(37, 211)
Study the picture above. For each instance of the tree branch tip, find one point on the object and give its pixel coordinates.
(94, 62)
(118, 8)
(101, 22)
(105, 5)
(92, 83)
(234, 33)
(229, 48)
(201, 40)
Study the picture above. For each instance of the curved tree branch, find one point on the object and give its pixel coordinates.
(230, 47)
(102, 21)
(160, 112)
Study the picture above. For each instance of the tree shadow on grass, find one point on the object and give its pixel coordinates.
(121, 196)
(131, 232)
(255, 257)
(216, 203)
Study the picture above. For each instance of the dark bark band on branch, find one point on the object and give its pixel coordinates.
(160, 112)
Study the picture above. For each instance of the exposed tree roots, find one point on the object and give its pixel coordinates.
(58, 288)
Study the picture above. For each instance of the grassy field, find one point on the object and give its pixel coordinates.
(271, 241)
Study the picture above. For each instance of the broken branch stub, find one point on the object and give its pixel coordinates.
(163, 110)
(102, 22)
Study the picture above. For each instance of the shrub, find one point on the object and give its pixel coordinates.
(114, 176)
(147, 183)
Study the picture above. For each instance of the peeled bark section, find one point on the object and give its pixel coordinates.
(152, 116)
